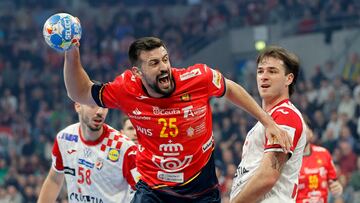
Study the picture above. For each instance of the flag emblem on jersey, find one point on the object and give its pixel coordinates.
(113, 154)
(99, 163)
(185, 97)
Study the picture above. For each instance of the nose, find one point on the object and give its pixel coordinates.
(163, 66)
(101, 111)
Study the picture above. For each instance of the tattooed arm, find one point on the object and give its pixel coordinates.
(264, 178)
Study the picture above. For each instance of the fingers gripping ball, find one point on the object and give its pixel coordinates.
(61, 31)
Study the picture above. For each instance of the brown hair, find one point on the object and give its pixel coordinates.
(143, 44)
(291, 62)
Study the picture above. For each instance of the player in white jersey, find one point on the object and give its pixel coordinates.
(97, 161)
(266, 173)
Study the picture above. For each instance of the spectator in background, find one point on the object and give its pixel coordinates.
(347, 159)
(354, 182)
(318, 174)
(128, 129)
(351, 70)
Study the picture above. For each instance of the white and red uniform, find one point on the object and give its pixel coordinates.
(256, 144)
(316, 171)
(174, 132)
(98, 171)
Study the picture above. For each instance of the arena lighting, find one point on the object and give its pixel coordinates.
(260, 45)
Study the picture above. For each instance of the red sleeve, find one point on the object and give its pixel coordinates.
(57, 161)
(290, 121)
(330, 167)
(130, 172)
(108, 94)
(216, 82)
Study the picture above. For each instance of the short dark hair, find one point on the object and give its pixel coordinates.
(291, 62)
(143, 44)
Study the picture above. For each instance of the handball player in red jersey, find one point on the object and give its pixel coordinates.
(170, 110)
(317, 174)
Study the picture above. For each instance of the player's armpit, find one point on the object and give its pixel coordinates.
(276, 160)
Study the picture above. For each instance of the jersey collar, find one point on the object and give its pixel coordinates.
(93, 142)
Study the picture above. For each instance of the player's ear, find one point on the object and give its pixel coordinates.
(136, 71)
(289, 78)
(77, 106)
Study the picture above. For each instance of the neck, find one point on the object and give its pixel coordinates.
(270, 103)
(90, 135)
(307, 149)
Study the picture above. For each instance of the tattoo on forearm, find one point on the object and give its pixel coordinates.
(275, 162)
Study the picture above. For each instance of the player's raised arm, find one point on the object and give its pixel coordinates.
(77, 82)
(240, 97)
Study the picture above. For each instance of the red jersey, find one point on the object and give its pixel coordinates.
(174, 132)
(316, 171)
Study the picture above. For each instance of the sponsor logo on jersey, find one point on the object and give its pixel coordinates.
(70, 151)
(164, 112)
(185, 97)
(141, 97)
(68, 170)
(113, 154)
(69, 137)
(190, 131)
(145, 131)
(190, 74)
(240, 171)
(86, 163)
(99, 163)
(171, 177)
(171, 149)
(283, 111)
(84, 198)
(136, 112)
(87, 152)
(208, 144)
(216, 78)
(171, 164)
(188, 111)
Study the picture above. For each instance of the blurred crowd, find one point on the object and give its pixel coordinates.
(34, 104)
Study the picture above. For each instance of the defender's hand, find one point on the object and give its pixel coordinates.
(276, 135)
(336, 188)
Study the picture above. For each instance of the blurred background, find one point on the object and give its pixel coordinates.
(225, 34)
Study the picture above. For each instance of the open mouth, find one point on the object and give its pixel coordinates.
(265, 86)
(98, 121)
(164, 80)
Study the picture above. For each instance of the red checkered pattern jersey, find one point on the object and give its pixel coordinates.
(316, 171)
(103, 170)
(174, 132)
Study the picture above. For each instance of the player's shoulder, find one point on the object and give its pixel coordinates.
(116, 135)
(286, 108)
(317, 148)
(195, 72)
(127, 75)
(70, 130)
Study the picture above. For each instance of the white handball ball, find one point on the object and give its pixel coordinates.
(61, 30)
